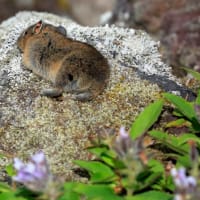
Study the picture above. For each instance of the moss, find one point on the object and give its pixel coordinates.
(61, 128)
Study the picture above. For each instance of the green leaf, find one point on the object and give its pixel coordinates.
(184, 161)
(146, 119)
(150, 180)
(100, 192)
(193, 73)
(98, 171)
(10, 170)
(98, 151)
(151, 195)
(198, 98)
(182, 139)
(25, 193)
(69, 193)
(10, 196)
(4, 187)
(186, 108)
(108, 156)
(104, 154)
(170, 141)
(7, 196)
(178, 123)
(156, 166)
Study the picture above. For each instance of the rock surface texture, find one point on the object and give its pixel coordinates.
(174, 22)
(61, 127)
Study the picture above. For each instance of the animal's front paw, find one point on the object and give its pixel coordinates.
(51, 92)
(84, 96)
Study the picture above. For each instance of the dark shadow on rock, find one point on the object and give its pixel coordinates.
(168, 85)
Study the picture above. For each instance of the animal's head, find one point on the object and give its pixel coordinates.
(36, 30)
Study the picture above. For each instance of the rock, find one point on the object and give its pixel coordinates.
(174, 22)
(122, 14)
(81, 10)
(61, 127)
(149, 13)
(181, 36)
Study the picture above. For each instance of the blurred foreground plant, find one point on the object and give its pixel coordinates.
(35, 174)
(185, 185)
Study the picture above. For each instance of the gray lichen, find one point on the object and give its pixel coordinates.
(29, 122)
(126, 47)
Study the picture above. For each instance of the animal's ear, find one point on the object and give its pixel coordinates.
(38, 27)
(61, 30)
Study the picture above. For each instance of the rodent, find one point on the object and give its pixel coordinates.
(71, 66)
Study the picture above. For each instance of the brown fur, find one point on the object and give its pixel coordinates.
(70, 65)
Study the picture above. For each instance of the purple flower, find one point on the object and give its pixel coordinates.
(185, 185)
(123, 143)
(182, 181)
(123, 134)
(128, 148)
(35, 175)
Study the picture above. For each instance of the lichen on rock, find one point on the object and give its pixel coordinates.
(60, 127)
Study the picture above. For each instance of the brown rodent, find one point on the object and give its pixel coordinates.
(71, 66)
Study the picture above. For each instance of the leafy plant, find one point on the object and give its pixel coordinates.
(185, 110)
(124, 168)
(146, 119)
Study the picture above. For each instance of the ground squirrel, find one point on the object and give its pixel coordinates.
(71, 66)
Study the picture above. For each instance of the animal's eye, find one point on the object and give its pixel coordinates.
(70, 77)
(25, 33)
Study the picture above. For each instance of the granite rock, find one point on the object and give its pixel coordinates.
(61, 127)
